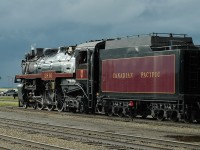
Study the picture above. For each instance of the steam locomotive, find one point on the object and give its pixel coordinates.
(155, 74)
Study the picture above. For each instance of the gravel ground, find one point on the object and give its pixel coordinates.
(153, 129)
(47, 139)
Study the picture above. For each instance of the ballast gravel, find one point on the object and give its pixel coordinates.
(137, 127)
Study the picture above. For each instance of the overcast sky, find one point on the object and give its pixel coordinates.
(54, 23)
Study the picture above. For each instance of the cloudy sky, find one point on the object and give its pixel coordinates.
(54, 23)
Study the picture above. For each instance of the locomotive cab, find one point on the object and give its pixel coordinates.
(87, 71)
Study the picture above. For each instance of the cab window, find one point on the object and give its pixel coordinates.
(82, 57)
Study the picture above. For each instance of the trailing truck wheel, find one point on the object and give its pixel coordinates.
(99, 108)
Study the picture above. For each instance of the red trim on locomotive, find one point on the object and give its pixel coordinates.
(48, 75)
(81, 74)
(28, 76)
(148, 74)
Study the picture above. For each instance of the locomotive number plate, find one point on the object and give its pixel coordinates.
(48, 75)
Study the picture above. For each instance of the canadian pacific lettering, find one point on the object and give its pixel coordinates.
(150, 74)
(122, 75)
(129, 75)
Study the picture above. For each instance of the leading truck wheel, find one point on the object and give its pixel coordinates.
(25, 105)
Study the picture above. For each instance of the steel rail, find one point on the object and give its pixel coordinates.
(31, 143)
(3, 148)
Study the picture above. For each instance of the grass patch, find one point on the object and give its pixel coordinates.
(7, 103)
(6, 98)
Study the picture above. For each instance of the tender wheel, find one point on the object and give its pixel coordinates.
(120, 112)
(109, 112)
(50, 107)
(187, 117)
(160, 115)
(127, 112)
(174, 116)
(187, 114)
(198, 121)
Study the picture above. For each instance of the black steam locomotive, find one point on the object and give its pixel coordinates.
(155, 74)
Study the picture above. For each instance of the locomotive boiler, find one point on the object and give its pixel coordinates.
(155, 74)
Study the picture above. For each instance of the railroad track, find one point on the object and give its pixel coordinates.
(107, 139)
(149, 120)
(30, 143)
(116, 118)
